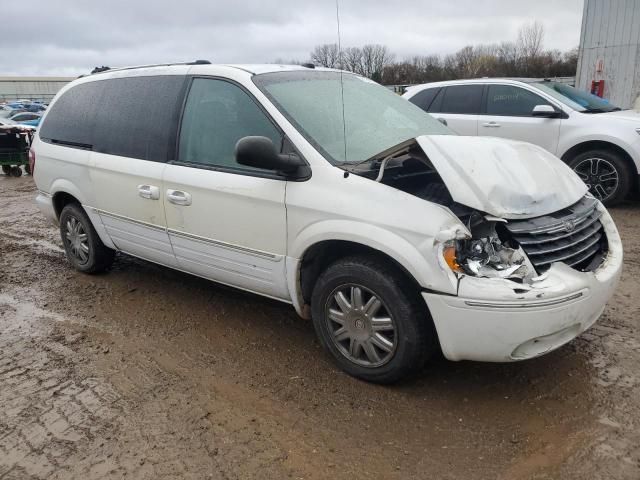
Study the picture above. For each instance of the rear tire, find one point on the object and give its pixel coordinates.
(16, 171)
(85, 251)
(6, 169)
(372, 320)
(607, 174)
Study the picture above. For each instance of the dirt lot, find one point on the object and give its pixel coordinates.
(148, 373)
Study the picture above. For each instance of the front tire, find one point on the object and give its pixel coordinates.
(606, 173)
(372, 320)
(85, 251)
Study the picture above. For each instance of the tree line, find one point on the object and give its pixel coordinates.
(525, 57)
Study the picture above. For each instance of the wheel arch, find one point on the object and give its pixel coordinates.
(600, 145)
(315, 250)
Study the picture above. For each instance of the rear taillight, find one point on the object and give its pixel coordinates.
(32, 161)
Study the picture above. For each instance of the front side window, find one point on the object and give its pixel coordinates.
(218, 114)
(347, 118)
(509, 100)
(462, 99)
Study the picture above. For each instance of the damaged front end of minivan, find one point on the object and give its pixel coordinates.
(535, 258)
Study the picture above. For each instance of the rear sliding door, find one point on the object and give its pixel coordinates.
(134, 135)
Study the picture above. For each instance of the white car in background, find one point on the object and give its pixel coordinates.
(597, 139)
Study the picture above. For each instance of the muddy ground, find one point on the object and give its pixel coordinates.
(148, 373)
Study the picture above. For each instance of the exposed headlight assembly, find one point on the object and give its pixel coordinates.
(488, 253)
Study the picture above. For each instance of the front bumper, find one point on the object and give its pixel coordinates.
(497, 320)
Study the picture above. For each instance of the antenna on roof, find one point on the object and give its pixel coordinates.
(344, 124)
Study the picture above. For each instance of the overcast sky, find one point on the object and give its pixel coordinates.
(70, 37)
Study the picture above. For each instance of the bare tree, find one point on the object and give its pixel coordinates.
(352, 59)
(327, 55)
(374, 59)
(530, 38)
(525, 57)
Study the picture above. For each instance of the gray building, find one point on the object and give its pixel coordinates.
(609, 56)
(32, 88)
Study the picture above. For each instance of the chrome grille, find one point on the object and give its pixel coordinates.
(573, 235)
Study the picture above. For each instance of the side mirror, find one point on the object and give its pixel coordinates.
(260, 152)
(544, 111)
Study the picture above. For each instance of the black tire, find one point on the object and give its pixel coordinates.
(414, 336)
(6, 169)
(96, 257)
(609, 192)
(16, 171)
(27, 169)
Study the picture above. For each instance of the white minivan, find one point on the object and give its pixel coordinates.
(327, 191)
(598, 140)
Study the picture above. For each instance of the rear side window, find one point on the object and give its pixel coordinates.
(463, 99)
(424, 98)
(71, 118)
(509, 100)
(218, 114)
(133, 117)
(138, 116)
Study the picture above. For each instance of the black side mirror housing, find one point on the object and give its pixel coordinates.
(260, 152)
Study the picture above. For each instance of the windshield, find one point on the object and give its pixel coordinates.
(576, 99)
(375, 118)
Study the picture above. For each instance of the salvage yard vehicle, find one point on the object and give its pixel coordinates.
(597, 139)
(327, 191)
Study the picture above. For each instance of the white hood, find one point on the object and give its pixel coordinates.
(501, 177)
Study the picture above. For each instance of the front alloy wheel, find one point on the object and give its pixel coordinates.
(600, 176)
(371, 319)
(361, 326)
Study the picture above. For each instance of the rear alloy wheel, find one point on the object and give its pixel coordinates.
(84, 249)
(606, 174)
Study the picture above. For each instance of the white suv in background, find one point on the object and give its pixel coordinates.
(597, 139)
(396, 236)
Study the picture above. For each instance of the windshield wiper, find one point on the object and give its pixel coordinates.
(601, 110)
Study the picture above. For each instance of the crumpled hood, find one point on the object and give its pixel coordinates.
(505, 178)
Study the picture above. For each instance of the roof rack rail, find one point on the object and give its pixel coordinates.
(108, 69)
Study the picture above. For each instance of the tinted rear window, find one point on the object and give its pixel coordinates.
(132, 117)
(462, 99)
(72, 116)
(424, 98)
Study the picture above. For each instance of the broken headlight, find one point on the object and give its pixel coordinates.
(488, 253)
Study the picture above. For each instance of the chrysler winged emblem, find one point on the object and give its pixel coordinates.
(569, 225)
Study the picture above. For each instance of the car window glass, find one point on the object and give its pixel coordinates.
(462, 99)
(510, 100)
(424, 98)
(218, 114)
(133, 117)
(137, 116)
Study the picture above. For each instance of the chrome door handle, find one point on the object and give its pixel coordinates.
(491, 124)
(178, 197)
(149, 191)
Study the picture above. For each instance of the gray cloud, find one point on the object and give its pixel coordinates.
(69, 37)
